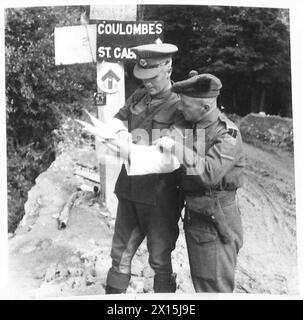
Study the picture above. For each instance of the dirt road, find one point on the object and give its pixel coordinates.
(47, 262)
(267, 262)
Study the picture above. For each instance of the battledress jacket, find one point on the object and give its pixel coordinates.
(213, 158)
(141, 111)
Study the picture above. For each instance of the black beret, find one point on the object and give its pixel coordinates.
(203, 85)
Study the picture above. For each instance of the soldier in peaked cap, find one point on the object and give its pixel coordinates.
(152, 58)
(212, 173)
(147, 204)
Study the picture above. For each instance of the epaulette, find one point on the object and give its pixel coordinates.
(230, 126)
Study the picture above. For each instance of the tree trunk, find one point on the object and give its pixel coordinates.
(140, 12)
(254, 107)
(262, 100)
(234, 101)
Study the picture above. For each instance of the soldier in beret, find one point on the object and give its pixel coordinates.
(147, 204)
(212, 174)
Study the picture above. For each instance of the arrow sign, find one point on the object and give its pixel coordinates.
(110, 76)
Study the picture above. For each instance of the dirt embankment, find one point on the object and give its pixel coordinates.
(47, 262)
(267, 262)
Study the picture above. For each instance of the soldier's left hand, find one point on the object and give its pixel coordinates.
(164, 144)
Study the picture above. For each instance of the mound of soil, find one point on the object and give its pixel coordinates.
(271, 130)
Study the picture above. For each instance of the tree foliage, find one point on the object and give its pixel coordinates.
(37, 91)
(38, 94)
(248, 48)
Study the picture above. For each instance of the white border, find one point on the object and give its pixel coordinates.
(296, 20)
(296, 39)
(3, 189)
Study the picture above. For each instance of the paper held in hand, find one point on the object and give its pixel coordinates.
(141, 159)
(103, 130)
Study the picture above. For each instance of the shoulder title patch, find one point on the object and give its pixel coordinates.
(233, 132)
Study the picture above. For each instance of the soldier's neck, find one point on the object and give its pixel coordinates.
(208, 118)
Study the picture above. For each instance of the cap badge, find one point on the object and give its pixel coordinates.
(143, 63)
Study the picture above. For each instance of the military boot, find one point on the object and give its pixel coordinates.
(165, 283)
(111, 290)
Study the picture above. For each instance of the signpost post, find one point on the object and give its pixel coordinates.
(107, 41)
(110, 82)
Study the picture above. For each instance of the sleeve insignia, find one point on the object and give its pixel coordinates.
(232, 132)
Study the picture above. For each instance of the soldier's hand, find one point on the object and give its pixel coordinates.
(120, 146)
(112, 150)
(164, 144)
(125, 136)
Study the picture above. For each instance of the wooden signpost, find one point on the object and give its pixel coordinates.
(107, 41)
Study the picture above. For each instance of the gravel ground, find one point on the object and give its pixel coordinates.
(47, 262)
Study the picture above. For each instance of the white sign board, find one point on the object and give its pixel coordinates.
(116, 38)
(126, 12)
(76, 44)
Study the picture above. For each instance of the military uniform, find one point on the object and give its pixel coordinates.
(147, 204)
(213, 171)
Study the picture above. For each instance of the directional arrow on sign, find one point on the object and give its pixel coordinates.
(110, 75)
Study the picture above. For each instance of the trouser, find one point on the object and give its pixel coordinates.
(134, 222)
(212, 262)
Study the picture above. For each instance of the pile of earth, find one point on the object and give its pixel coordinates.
(260, 129)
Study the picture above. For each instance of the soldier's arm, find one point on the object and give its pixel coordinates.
(124, 113)
(219, 159)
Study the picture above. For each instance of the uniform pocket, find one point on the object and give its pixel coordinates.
(233, 218)
(202, 205)
(202, 252)
(201, 236)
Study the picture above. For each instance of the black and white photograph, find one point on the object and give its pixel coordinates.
(149, 151)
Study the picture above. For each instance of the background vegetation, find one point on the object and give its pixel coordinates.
(248, 48)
